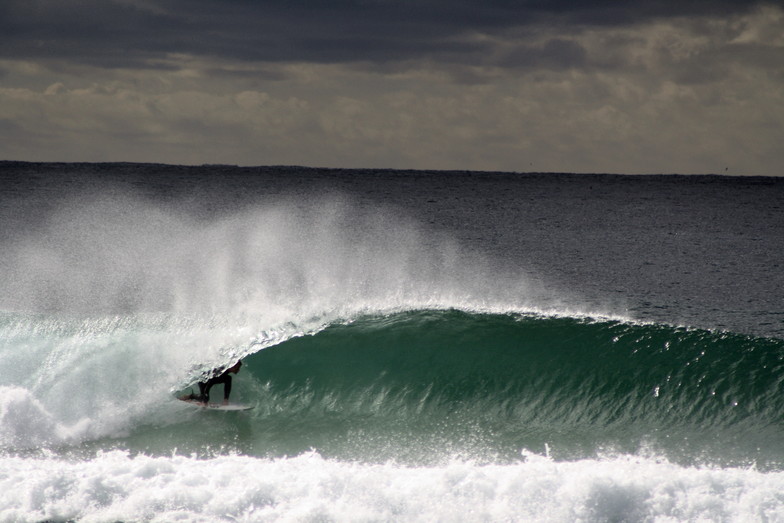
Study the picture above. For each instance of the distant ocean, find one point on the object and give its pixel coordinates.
(417, 345)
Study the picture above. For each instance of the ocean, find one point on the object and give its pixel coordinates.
(417, 345)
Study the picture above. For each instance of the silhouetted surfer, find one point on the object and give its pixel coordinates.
(219, 375)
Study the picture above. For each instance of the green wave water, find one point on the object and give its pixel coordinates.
(427, 386)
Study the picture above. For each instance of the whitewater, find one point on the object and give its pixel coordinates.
(417, 346)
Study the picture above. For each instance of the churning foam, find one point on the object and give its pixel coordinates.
(114, 486)
(25, 423)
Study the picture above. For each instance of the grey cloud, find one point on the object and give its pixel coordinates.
(9, 127)
(555, 54)
(603, 86)
(127, 34)
(715, 64)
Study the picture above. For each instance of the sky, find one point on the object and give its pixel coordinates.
(688, 86)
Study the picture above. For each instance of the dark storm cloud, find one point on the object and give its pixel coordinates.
(132, 33)
(107, 34)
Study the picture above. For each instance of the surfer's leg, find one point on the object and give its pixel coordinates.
(204, 393)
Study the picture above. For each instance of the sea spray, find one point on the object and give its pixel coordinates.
(274, 262)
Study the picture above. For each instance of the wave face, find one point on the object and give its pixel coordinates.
(424, 386)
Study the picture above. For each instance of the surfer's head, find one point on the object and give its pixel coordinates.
(236, 367)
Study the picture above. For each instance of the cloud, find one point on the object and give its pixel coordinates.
(555, 53)
(639, 87)
(129, 33)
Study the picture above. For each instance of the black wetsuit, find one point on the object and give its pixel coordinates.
(205, 386)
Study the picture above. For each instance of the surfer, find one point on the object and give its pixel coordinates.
(219, 375)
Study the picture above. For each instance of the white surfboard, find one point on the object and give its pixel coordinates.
(218, 406)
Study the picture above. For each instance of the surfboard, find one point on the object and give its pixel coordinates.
(218, 406)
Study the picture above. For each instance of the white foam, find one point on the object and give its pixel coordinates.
(114, 486)
(25, 423)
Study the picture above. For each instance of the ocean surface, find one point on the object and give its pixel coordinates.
(417, 345)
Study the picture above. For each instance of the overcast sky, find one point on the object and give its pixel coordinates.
(529, 85)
